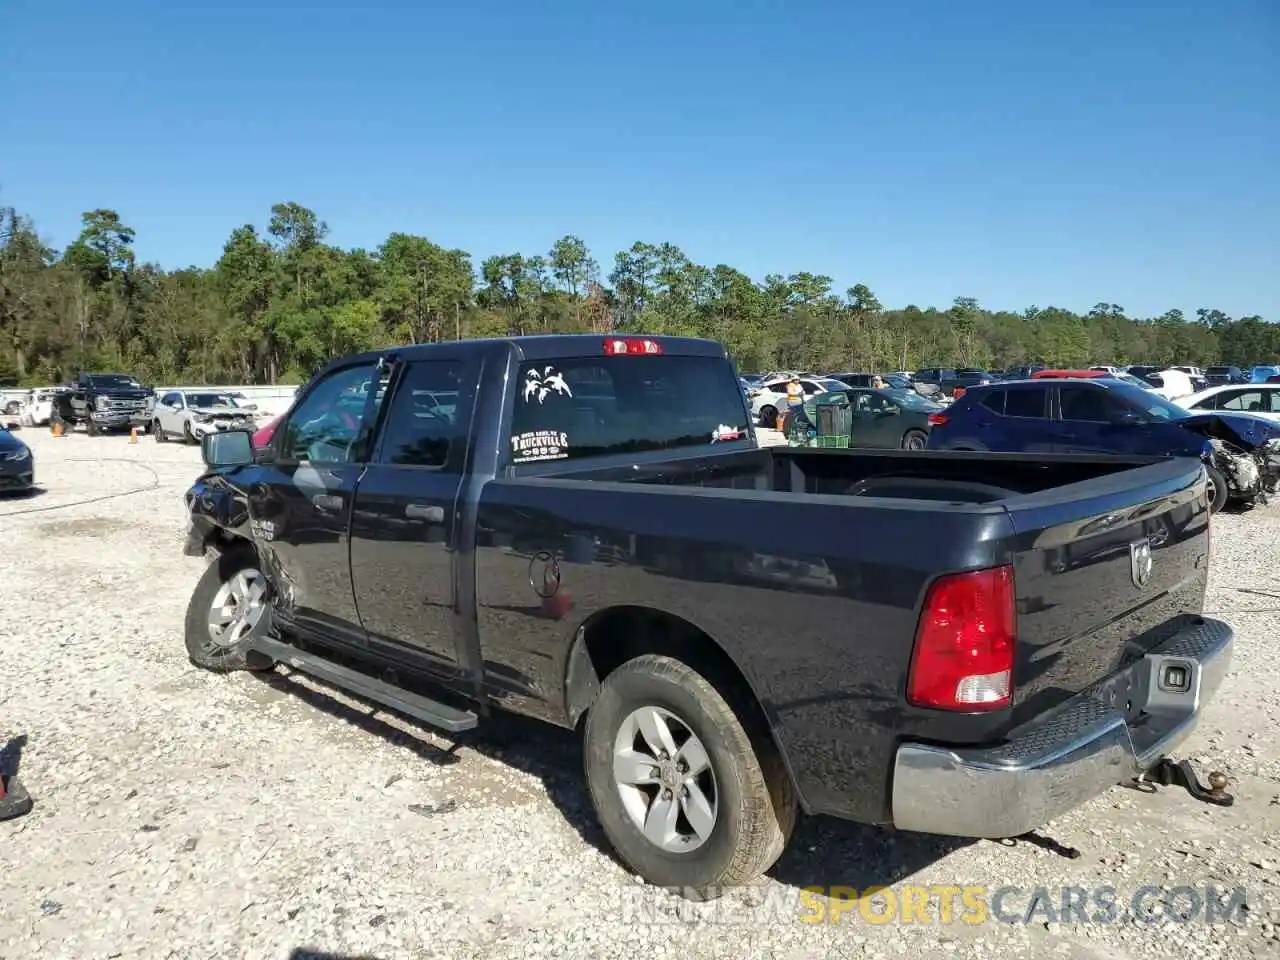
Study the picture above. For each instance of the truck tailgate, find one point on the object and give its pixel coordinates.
(1104, 570)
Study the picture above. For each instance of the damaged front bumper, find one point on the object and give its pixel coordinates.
(1251, 475)
(1246, 451)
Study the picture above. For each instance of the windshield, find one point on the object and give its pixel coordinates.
(108, 380)
(1218, 371)
(830, 383)
(911, 400)
(1131, 380)
(1152, 404)
(211, 400)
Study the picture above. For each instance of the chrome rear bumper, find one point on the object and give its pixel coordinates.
(1066, 757)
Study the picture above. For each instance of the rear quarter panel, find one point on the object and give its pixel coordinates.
(814, 598)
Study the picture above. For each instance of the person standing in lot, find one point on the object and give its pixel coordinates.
(795, 394)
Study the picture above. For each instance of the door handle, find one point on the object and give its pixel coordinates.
(421, 511)
(326, 501)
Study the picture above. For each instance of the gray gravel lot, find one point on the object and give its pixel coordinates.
(181, 814)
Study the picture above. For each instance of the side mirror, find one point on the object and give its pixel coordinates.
(232, 448)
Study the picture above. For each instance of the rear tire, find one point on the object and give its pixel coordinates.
(1217, 492)
(769, 416)
(740, 795)
(234, 594)
(915, 440)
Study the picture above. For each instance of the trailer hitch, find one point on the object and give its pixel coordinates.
(1179, 773)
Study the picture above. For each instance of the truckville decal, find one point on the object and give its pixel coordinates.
(540, 445)
(540, 385)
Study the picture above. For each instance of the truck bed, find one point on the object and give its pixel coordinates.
(809, 567)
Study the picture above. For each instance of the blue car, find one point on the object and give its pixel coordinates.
(1263, 373)
(17, 466)
(1107, 416)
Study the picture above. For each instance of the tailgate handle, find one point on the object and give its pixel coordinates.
(326, 501)
(421, 511)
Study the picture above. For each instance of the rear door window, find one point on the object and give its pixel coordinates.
(1084, 404)
(598, 406)
(427, 416)
(1245, 401)
(1029, 403)
(994, 401)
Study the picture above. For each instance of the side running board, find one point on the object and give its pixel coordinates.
(432, 712)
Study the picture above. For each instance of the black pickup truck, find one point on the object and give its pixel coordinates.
(582, 529)
(103, 402)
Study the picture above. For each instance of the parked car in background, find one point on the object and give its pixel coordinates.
(1198, 381)
(770, 399)
(884, 418)
(1100, 415)
(262, 437)
(1141, 370)
(1111, 371)
(190, 415)
(950, 379)
(1262, 373)
(103, 402)
(1260, 400)
(1022, 371)
(1171, 383)
(17, 465)
(1092, 374)
(894, 381)
(37, 408)
(1217, 376)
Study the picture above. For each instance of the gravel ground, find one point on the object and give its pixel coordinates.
(180, 814)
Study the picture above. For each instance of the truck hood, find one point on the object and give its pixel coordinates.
(120, 393)
(1241, 429)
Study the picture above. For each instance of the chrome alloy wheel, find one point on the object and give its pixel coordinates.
(237, 607)
(665, 780)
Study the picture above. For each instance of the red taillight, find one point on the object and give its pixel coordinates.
(963, 658)
(937, 419)
(632, 346)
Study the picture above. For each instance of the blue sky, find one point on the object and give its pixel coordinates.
(1015, 152)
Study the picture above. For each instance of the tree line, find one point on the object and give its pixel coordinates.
(281, 301)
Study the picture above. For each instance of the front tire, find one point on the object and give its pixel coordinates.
(1217, 489)
(187, 436)
(158, 431)
(230, 606)
(715, 811)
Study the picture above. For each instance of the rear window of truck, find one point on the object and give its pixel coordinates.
(597, 406)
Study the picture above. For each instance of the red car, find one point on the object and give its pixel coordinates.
(1069, 374)
(264, 434)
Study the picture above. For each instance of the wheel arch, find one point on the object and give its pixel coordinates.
(614, 635)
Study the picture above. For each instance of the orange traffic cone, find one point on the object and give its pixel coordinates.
(133, 434)
(57, 428)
